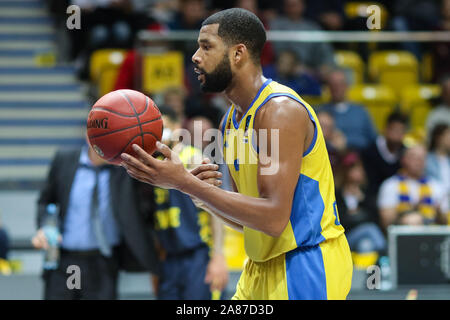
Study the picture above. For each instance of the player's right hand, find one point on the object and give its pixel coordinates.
(39, 241)
(206, 172)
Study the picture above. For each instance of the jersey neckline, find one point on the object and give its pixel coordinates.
(233, 116)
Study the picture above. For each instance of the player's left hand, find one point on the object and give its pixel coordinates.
(168, 173)
(217, 272)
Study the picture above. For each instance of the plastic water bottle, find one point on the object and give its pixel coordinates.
(385, 273)
(52, 234)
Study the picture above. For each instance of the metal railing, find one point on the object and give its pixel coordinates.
(315, 36)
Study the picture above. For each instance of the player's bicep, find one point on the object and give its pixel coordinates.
(287, 124)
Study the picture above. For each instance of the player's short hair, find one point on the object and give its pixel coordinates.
(238, 25)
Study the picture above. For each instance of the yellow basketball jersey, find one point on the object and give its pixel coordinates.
(314, 216)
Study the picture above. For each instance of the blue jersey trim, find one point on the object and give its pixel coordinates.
(236, 124)
(280, 94)
(305, 274)
(224, 123)
(307, 212)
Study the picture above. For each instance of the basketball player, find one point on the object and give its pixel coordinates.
(293, 238)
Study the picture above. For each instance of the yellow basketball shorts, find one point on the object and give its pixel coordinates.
(319, 272)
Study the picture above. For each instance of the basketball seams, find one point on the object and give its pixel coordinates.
(121, 114)
(123, 94)
(148, 120)
(130, 140)
(121, 129)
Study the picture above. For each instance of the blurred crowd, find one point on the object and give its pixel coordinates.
(382, 178)
(115, 23)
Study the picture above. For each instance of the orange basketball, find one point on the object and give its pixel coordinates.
(120, 119)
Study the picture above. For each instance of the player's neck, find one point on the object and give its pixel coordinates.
(244, 88)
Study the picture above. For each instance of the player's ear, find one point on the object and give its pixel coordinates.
(239, 53)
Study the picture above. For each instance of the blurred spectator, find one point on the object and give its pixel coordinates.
(130, 71)
(199, 122)
(438, 159)
(381, 158)
(352, 119)
(190, 15)
(335, 140)
(441, 50)
(175, 98)
(108, 24)
(357, 207)
(414, 15)
(287, 70)
(129, 75)
(104, 23)
(410, 197)
(267, 55)
(315, 55)
(4, 244)
(193, 265)
(329, 13)
(5, 268)
(104, 219)
(440, 113)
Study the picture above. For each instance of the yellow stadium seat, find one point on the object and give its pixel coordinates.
(162, 71)
(317, 101)
(380, 101)
(351, 61)
(415, 101)
(426, 67)
(396, 69)
(234, 250)
(104, 68)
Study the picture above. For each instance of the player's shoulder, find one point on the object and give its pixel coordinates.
(281, 109)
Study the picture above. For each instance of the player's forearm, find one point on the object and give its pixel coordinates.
(224, 220)
(257, 213)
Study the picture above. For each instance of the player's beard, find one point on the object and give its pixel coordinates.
(219, 79)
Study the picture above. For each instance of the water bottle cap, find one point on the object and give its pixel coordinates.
(51, 208)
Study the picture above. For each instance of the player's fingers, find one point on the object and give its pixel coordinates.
(214, 182)
(139, 175)
(165, 150)
(209, 174)
(129, 168)
(131, 161)
(144, 176)
(145, 158)
(206, 161)
(204, 167)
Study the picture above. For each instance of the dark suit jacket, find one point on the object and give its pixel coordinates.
(131, 202)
